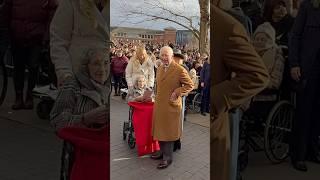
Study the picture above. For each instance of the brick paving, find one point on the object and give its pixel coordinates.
(191, 162)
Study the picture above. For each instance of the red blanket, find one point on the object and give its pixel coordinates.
(92, 152)
(142, 124)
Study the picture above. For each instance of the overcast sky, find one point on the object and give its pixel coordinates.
(119, 8)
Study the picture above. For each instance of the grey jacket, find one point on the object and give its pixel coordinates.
(72, 33)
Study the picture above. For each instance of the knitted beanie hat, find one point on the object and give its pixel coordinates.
(267, 29)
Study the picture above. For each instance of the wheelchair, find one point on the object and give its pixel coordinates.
(266, 125)
(193, 101)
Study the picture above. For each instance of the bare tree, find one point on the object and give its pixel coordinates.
(204, 26)
(159, 10)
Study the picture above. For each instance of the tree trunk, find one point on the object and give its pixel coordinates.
(204, 26)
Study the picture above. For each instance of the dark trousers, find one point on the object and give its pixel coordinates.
(4, 42)
(25, 57)
(306, 126)
(117, 82)
(205, 102)
(166, 148)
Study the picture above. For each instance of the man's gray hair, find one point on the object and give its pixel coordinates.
(166, 48)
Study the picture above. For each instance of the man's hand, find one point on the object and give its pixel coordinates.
(296, 73)
(202, 84)
(96, 116)
(173, 96)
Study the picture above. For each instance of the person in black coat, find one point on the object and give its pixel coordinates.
(276, 13)
(205, 79)
(304, 59)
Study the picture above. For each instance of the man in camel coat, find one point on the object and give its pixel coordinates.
(232, 54)
(173, 81)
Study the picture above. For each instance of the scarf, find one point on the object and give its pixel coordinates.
(92, 89)
(87, 7)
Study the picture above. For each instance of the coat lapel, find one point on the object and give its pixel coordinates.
(168, 72)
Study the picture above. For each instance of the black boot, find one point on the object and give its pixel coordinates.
(115, 91)
(176, 145)
(29, 101)
(19, 101)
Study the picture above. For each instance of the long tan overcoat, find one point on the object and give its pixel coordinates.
(232, 53)
(167, 114)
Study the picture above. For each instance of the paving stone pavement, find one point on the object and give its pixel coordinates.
(191, 162)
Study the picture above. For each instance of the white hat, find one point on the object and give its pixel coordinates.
(267, 29)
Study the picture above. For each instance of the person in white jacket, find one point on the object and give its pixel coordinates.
(140, 64)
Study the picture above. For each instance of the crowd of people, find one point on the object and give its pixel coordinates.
(283, 34)
(129, 60)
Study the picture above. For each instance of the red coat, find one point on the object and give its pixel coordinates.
(119, 64)
(30, 20)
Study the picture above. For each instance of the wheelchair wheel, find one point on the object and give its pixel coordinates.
(124, 130)
(196, 102)
(277, 131)
(131, 141)
(44, 109)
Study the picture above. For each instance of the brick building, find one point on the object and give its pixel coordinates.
(140, 35)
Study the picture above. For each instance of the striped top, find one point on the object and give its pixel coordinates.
(70, 105)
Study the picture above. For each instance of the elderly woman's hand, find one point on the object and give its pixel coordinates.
(96, 116)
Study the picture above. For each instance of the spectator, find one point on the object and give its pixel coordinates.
(70, 36)
(276, 13)
(29, 27)
(265, 44)
(304, 59)
(118, 68)
(140, 64)
(205, 81)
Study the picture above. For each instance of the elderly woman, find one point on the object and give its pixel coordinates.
(137, 92)
(83, 101)
(140, 64)
(264, 42)
(76, 26)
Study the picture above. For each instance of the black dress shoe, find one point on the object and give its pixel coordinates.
(164, 164)
(203, 114)
(300, 165)
(176, 145)
(156, 156)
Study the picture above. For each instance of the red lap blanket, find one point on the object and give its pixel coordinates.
(142, 124)
(91, 152)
